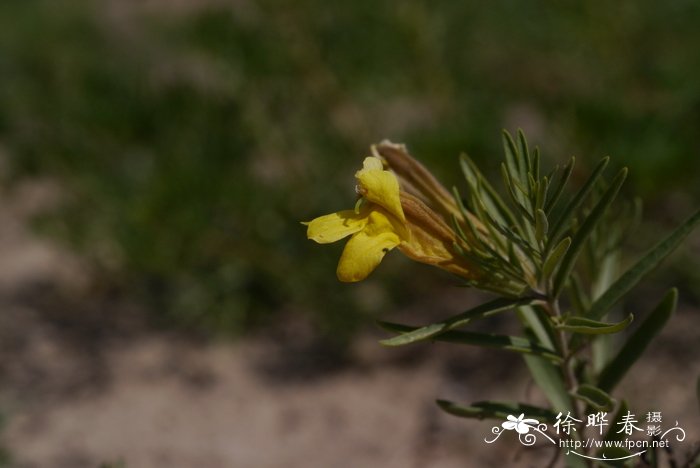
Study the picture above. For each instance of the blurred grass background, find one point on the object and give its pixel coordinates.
(190, 138)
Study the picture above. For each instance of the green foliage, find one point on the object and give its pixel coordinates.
(647, 263)
(558, 346)
(587, 326)
(484, 310)
(495, 410)
(637, 342)
(595, 397)
(487, 340)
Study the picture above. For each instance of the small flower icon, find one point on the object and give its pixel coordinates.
(520, 424)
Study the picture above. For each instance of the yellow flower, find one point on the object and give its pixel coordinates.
(388, 217)
(377, 226)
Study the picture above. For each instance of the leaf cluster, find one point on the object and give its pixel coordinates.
(560, 258)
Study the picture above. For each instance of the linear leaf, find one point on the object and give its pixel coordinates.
(477, 180)
(533, 188)
(638, 341)
(496, 410)
(557, 191)
(513, 159)
(489, 340)
(542, 193)
(647, 263)
(593, 327)
(516, 196)
(541, 225)
(595, 397)
(568, 212)
(567, 263)
(525, 163)
(553, 260)
(536, 163)
(482, 310)
(549, 379)
(579, 299)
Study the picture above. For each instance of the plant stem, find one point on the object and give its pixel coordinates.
(563, 344)
(570, 380)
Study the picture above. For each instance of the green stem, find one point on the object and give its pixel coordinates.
(567, 369)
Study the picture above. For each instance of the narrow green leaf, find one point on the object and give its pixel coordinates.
(607, 270)
(579, 299)
(567, 263)
(594, 397)
(419, 334)
(475, 242)
(553, 260)
(557, 191)
(547, 376)
(513, 258)
(516, 170)
(484, 310)
(551, 382)
(460, 232)
(513, 236)
(525, 163)
(516, 196)
(482, 213)
(638, 341)
(497, 410)
(602, 349)
(534, 188)
(541, 225)
(592, 327)
(647, 263)
(536, 163)
(575, 203)
(512, 156)
(508, 343)
(542, 193)
(538, 325)
(532, 184)
(476, 180)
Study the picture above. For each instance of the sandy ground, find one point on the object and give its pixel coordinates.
(83, 383)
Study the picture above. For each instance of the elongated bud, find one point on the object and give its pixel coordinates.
(432, 241)
(416, 179)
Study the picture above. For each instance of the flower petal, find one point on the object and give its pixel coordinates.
(380, 186)
(335, 226)
(522, 428)
(508, 425)
(372, 163)
(365, 250)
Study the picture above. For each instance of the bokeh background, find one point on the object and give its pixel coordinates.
(161, 304)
